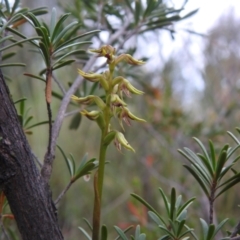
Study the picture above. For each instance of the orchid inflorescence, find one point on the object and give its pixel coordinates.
(114, 104)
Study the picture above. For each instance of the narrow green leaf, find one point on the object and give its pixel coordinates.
(68, 163)
(220, 164)
(167, 231)
(59, 37)
(8, 55)
(38, 124)
(73, 164)
(68, 54)
(85, 233)
(151, 5)
(93, 88)
(180, 228)
(53, 21)
(58, 26)
(155, 218)
(233, 137)
(210, 233)
(185, 233)
(172, 204)
(220, 225)
(199, 180)
(86, 169)
(67, 42)
(204, 227)
(64, 63)
(125, 230)
(57, 50)
(6, 38)
(7, 6)
(104, 233)
(27, 121)
(204, 176)
(137, 232)
(193, 158)
(20, 100)
(33, 19)
(213, 156)
(88, 224)
(166, 202)
(12, 65)
(190, 14)
(225, 170)
(75, 122)
(39, 11)
(35, 76)
(15, 5)
(141, 200)
(178, 202)
(137, 11)
(203, 149)
(17, 43)
(120, 233)
(231, 151)
(185, 206)
(207, 163)
(234, 181)
(45, 54)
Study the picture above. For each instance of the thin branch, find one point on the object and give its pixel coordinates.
(63, 193)
(236, 230)
(235, 238)
(59, 84)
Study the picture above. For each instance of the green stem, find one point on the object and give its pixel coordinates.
(99, 176)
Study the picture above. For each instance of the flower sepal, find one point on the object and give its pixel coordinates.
(90, 99)
(120, 140)
(125, 115)
(129, 59)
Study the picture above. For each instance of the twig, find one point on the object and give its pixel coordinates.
(236, 230)
(59, 84)
(47, 166)
(235, 238)
(63, 193)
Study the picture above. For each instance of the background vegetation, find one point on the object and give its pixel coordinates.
(174, 107)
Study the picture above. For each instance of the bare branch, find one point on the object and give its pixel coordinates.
(235, 231)
(63, 193)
